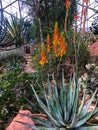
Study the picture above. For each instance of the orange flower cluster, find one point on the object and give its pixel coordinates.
(43, 56)
(55, 40)
(59, 46)
(62, 50)
(67, 4)
(48, 43)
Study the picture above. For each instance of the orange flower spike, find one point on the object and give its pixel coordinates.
(55, 53)
(55, 50)
(62, 50)
(48, 43)
(56, 28)
(76, 16)
(67, 4)
(43, 56)
(55, 35)
(55, 40)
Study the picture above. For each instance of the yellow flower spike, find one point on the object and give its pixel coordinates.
(62, 50)
(43, 56)
(48, 43)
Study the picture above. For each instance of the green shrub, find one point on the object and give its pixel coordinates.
(77, 52)
(14, 86)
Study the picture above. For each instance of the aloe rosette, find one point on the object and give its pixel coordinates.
(62, 107)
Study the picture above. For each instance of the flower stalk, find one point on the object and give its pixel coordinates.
(67, 5)
(43, 56)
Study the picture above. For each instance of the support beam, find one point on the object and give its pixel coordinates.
(10, 4)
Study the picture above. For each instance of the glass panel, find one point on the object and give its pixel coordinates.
(13, 9)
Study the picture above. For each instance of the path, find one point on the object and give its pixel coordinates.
(28, 66)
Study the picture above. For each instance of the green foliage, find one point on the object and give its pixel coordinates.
(77, 52)
(17, 32)
(13, 32)
(62, 106)
(14, 86)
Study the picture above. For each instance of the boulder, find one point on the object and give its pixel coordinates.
(18, 126)
(94, 49)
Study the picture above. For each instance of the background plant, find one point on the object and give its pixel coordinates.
(14, 86)
(16, 33)
(13, 93)
(89, 80)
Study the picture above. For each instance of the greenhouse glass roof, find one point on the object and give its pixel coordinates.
(13, 7)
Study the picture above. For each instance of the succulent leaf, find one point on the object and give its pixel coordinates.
(82, 103)
(85, 110)
(44, 107)
(28, 125)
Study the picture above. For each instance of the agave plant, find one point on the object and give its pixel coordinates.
(13, 32)
(62, 107)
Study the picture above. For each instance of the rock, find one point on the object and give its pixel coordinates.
(94, 49)
(17, 126)
(91, 108)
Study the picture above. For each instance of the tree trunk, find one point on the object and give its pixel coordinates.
(40, 30)
(37, 11)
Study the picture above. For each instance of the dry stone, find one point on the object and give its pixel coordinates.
(17, 126)
(94, 49)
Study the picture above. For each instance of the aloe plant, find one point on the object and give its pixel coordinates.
(63, 108)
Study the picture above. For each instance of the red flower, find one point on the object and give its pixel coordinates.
(76, 16)
(67, 4)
